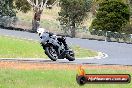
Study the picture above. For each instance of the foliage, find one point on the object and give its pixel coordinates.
(111, 16)
(6, 8)
(24, 6)
(73, 11)
(7, 14)
(128, 28)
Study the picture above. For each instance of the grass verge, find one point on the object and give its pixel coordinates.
(11, 78)
(20, 48)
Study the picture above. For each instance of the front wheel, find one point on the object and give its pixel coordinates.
(51, 53)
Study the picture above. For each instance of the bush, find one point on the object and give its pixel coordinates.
(128, 28)
(7, 21)
(6, 9)
(111, 16)
(7, 14)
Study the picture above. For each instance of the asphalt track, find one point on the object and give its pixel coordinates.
(118, 53)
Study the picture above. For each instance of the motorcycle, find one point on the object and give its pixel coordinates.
(54, 48)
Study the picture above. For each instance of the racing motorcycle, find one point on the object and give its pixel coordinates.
(53, 47)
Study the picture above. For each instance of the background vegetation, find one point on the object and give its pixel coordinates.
(6, 8)
(117, 20)
(73, 12)
(111, 16)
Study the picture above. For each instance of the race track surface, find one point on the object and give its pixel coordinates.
(118, 53)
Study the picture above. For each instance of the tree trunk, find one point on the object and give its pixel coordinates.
(35, 25)
(36, 20)
(73, 30)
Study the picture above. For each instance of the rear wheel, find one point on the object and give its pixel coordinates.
(51, 53)
(70, 56)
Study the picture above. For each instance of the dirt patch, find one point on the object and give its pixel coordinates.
(48, 66)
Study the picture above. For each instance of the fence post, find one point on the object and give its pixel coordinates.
(106, 36)
(124, 39)
(130, 38)
(116, 36)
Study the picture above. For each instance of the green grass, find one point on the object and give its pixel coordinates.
(15, 48)
(20, 48)
(82, 52)
(11, 78)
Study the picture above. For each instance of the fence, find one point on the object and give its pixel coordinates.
(100, 35)
(113, 36)
(105, 35)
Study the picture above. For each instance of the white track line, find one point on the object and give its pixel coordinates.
(100, 56)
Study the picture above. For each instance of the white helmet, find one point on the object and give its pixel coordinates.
(40, 31)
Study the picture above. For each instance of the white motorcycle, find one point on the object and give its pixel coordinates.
(55, 46)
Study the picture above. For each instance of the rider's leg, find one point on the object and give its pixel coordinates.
(64, 42)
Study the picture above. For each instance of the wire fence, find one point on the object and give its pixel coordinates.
(113, 36)
(84, 32)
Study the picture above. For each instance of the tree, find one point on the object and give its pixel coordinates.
(38, 7)
(94, 6)
(73, 12)
(111, 16)
(6, 8)
(7, 14)
(22, 5)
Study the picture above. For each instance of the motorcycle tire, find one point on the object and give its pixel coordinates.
(69, 57)
(47, 52)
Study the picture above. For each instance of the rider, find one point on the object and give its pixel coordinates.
(41, 31)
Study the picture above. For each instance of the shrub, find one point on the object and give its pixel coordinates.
(111, 16)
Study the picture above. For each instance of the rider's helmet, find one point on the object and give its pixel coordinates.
(40, 31)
